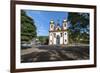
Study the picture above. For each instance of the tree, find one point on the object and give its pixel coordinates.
(78, 26)
(28, 29)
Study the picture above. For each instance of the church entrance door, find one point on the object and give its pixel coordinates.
(58, 40)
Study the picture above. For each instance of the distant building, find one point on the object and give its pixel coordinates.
(58, 35)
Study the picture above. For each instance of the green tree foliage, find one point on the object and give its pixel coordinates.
(43, 39)
(78, 27)
(28, 29)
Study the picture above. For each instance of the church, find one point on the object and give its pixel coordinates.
(58, 34)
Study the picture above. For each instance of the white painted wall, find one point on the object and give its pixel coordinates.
(50, 38)
(52, 27)
(63, 38)
(54, 38)
(5, 37)
(64, 25)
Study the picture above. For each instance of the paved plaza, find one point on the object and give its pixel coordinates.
(44, 53)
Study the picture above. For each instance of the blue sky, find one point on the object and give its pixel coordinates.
(42, 19)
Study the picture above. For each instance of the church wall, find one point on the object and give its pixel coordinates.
(55, 31)
(61, 38)
(65, 37)
(54, 38)
(64, 26)
(51, 26)
(50, 38)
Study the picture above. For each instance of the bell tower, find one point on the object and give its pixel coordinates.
(65, 33)
(64, 24)
(51, 25)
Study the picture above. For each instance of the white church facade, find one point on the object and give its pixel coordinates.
(58, 35)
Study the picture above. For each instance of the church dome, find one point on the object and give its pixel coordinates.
(65, 20)
(52, 21)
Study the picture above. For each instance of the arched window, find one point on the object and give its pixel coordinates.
(51, 26)
(64, 25)
(65, 40)
(54, 34)
(61, 34)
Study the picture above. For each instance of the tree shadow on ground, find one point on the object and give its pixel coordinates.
(71, 53)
